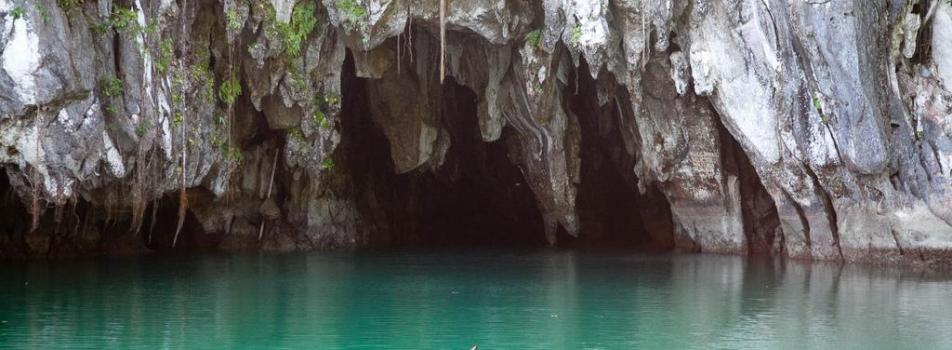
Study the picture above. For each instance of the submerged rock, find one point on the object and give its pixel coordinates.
(819, 130)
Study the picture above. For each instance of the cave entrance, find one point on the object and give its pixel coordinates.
(612, 211)
(15, 221)
(161, 221)
(475, 197)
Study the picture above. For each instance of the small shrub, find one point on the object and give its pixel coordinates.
(295, 33)
(110, 86)
(576, 34)
(163, 59)
(233, 20)
(332, 99)
(234, 153)
(327, 164)
(18, 12)
(297, 135)
(354, 15)
(299, 83)
(229, 90)
(69, 5)
(534, 38)
(321, 120)
(178, 119)
(143, 128)
(123, 18)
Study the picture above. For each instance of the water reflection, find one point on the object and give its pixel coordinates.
(499, 300)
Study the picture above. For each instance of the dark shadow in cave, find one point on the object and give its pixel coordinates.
(158, 235)
(612, 212)
(759, 213)
(476, 198)
(14, 222)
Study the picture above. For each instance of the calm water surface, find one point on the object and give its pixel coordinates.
(498, 300)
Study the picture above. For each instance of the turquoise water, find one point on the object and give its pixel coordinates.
(498, 300)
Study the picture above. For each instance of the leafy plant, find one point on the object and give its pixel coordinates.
(44, 13)
(234, 153)
(534, 38)
(332, 99)
(297, 135)
(352, 13)
(321, 120)
(143, 128)
(202, 75)
(18, 12)
(229, 90)
(178, 119)
(111, 109)
(576, 34)
(110, 86)
(295, 33)
(124, 19)
(163, 60)
(233, 20)
(327, 164)
(300, 83)
(69, 5)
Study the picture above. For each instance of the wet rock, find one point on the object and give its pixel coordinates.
(808, 129)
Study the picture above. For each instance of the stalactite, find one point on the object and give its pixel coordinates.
(274, 167)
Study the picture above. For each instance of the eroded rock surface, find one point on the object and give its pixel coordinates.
(809, 129)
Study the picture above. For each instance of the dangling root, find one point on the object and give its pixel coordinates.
(442, 40)
(183, 207)
(155, 211)
(274, 166)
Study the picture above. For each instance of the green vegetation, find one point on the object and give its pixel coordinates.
(229, 90)
(298, 82)
(534, 38)
(110, 86)
(69, 5)
(44, 13)
(233, 20)
(234, 153)
(576, 34)
(320, 119)
(18, 12)
(122, 20)
(297, 135)
(143, 128)
(178, 119)
(202, 74)
(292, 34)
(327, 164)
(354, 15)
(295, 33)
(331, 99)
(163, 60)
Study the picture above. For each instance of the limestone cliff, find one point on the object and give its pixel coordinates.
(802, 128)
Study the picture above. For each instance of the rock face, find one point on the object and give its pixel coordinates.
(808, 129)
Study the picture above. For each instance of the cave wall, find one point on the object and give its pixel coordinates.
(817, 130)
